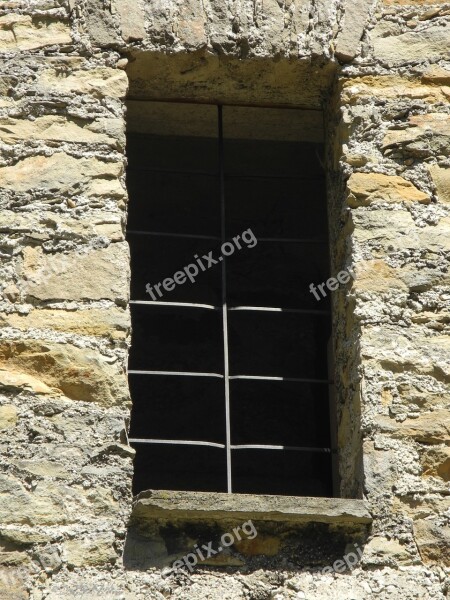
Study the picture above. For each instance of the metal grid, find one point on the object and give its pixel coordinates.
(226, 377)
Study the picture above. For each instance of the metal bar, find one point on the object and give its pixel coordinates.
(305, 311)
(193, 236)
(229, 176)
(270, 447)
(173, 171)
(182, 304)
(268, 378)
(175, 442)
(224, 302)
(293, 240)
(176, 373)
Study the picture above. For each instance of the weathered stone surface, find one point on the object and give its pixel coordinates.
(189, 505)
(90, 551)
(21, 32)
(132, 22)
(110, 322)
(100, 81)
(64, 174)
(12, 585)
(433, 541)
(355, 18)
(381, 551)
(101, 25)
(366, 188)
(18, 382)
(79, 374)
(437, 75)
(8, 416)
(429, 134)
(429, 45)
(95, 275)
(60, 129)
(43, 468)
(429, 428)
(441, 179)
(391, 87)
(436, 462)
(376, 276)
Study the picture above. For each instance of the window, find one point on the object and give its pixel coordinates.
(228, 373)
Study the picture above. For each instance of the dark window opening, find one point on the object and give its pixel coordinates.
(229, 374)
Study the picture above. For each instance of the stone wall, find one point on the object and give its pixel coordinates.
(66, 467)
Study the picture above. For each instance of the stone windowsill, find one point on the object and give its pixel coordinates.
(185, 506)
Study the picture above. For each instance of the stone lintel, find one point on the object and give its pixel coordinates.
(177, 505)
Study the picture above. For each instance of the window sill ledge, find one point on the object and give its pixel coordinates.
(199, 506)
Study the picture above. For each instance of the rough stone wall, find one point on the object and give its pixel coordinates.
(65, 464)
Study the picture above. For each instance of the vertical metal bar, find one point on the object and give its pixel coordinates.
(224, 303)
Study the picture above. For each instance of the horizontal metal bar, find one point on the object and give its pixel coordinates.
(227, 176)
(294, 240)
(305, 311)
(182, 304)
(232, 446)
(173, 171)
(270, 447)
(176, 373)
(175, 442)
(296, 379)
(193, 236)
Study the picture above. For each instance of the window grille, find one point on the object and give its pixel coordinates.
(229, 375)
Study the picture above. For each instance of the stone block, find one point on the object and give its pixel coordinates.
(436, 462)
(77, 373)
(382, 551)
(60, 129)
(433, 541)
(95, 275)
(430, 45)
(21, 32)
(391, 87)
(12, 585)
(111, 322)
(364, 189)
(428, 135)
(99, 81)
(441, 179)
(8, 416)
(428, 428)
(132, 21)
(97, 549)
(355, 18)
(64, 174)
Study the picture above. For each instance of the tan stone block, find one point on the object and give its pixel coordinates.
(364, 189)
(95, 275)
(376, 276)
(394, 49)
(132, 19)
(437, 124)
(8, 416)
(12, 585)
(441, 179)
(77, 373)
(42, 468)
(436, 462)
(100, 81)
(20, 381)
(381, 551)
(433, 541)
(64, 174)
(436, 75)
(112, 322)
(413, 3)
(61, 129)
(97, 549)
(389, 87)
(428, 428)
(21, 32)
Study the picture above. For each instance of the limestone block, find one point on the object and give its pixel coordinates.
(132, 22)
(381, 551)
(366, 188)
(376, 276)
(112, 322)
(12, 585)
(64, 174)
(437, 75)
(441, 179)
(97, 549)
(436, 462)
(8, 416)
(43, 506)
(190, 25)
(430, 45)
(100, 81)
(355, 18)
(429, 134)
(433, 541)
(18, 382)
(95, 275)
(101, 25)
(428, 428)
(61, 129)
(390, 87)
(78, 374)
(21, 32)
(42, 468)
